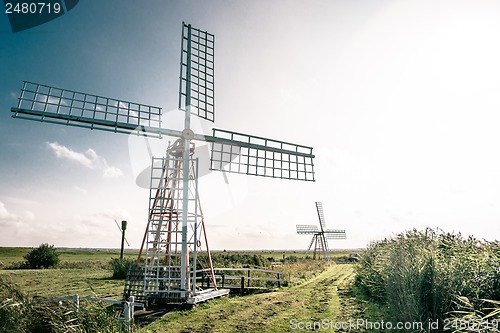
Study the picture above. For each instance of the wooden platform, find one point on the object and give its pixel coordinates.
(205, 295)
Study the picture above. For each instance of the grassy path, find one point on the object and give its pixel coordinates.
(314, 300)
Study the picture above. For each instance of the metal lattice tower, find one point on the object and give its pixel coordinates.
(320, 236)
(175, 228)
(164, 238)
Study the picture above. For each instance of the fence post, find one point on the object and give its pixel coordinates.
(76, 302)
(132, 300)
(279, 280)
(248, 282)
(242, 284)
(128, 313)
(223, 278)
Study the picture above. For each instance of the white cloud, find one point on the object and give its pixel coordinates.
(8, 218)
(5, 215)
(89, 159)
(29, 216)
(80, 190)
(66, 153)
(111, 172)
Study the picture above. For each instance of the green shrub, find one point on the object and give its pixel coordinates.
(291, 258)
(226, 259)
(121, 267)
(44, 256)
(92, 265)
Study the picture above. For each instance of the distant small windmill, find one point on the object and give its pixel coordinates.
(321, 235)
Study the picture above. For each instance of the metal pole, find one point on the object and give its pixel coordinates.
(124, 227)
(185, 170)
(195, 225)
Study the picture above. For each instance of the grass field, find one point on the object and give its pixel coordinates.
(12, 255)
(87, 272)
(82, 272)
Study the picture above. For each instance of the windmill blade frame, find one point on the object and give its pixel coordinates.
(68, 107)
(307, 229)
(321, 217)
(258, 156)
(335, 234)
(196, 78)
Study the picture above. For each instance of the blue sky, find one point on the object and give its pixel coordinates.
(399, 99)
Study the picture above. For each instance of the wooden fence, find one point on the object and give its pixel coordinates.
(241, 278)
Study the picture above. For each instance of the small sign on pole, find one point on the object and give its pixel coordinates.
(124, 227)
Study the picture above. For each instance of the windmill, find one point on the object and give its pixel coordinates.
(321, 235)
(175, 227)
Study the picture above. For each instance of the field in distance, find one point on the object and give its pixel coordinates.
(87, 272)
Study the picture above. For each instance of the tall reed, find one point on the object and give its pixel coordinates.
(417, 275)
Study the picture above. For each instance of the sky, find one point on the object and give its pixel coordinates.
(399, 99)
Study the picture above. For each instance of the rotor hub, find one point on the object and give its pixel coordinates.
(177, 149)
(188, 134)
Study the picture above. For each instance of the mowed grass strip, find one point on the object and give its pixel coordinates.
(314, 300)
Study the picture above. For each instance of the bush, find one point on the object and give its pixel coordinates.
(121, 267)
(227, 259)
(44, 256)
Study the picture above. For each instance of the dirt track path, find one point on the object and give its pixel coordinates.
(318, 300)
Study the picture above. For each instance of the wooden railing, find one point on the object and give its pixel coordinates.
(241, 278)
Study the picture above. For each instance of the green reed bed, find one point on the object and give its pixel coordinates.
(420, 276)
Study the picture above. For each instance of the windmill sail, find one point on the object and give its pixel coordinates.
(66, 107)
(196, 87)
(321, 217)
(307, 229)
(257, 156)
(335, 234)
